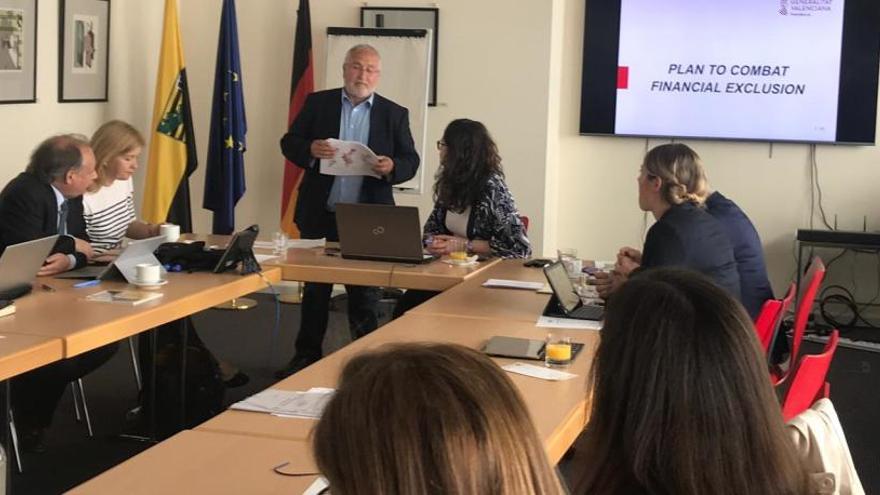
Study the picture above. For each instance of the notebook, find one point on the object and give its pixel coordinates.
(380, 232)
(565, 301)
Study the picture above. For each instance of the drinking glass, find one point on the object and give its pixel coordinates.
(557, 350)
(458, 250)
(279, 243)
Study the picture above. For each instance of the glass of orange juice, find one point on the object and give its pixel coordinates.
(458, 250)
(557, 350)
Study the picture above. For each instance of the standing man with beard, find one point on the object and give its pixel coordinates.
(351, 113)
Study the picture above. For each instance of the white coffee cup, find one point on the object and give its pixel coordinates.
(147, 272)
(170, 231)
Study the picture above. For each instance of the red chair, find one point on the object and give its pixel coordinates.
(768, 336)
(771, 311)
(525, 220)
(806, 296)
(808, 383)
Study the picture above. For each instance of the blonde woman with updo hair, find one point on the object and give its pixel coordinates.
(108, 206)
(673, 187)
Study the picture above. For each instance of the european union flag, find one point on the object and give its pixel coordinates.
(224, 174)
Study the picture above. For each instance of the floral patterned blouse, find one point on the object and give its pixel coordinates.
(493, 218)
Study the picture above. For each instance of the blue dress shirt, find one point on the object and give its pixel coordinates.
(354, 125)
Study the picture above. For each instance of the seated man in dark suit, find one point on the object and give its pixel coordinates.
(44, 200)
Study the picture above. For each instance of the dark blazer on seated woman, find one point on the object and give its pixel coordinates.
(493, 218)
(747, 251)
(687, 236)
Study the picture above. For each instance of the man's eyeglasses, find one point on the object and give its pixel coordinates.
(441, 144)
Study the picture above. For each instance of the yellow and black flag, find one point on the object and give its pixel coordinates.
(172, 144)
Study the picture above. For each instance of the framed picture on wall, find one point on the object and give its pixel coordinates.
(83, 50)
(18, 51)
(409, 18)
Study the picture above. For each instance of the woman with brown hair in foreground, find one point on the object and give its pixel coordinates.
(681, 398)
(429, 419)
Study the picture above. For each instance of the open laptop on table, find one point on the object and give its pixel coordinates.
(566, 302)
(380, 232)
(20, 263)
(135, 253)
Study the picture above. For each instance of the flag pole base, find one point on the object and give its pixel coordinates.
(238, 304)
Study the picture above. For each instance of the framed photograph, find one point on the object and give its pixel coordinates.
(84, 50)
(410, 18)
(18, 51)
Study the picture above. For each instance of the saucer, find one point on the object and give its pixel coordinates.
(150, 285)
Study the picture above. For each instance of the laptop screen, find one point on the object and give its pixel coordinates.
(562, 286)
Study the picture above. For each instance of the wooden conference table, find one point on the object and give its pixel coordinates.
(82, 326)
(235, 451)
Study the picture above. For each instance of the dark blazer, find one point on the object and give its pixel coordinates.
(747, 251)
(29, 210)
(686, 236)
(319, 119)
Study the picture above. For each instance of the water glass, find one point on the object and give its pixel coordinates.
(279, 243)
(569, 259)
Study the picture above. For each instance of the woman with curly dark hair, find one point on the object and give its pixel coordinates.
(471, 201)
(472, 205)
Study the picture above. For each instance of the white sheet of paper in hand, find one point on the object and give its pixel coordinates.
(541, 372)
(350, 158)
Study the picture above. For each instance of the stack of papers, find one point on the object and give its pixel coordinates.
(557, 322)
(541, 372)
(293, 243)
(512, 284)
(287, 403)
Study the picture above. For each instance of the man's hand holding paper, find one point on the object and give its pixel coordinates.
(352, 158)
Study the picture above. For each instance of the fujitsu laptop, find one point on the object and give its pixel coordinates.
(20, 263)
(135, 253)
(566, 302)
(380, 232)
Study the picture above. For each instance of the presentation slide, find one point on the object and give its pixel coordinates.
(735, 69)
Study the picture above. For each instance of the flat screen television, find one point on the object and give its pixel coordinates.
(767, 70)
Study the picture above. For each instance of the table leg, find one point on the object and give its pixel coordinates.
(184, 329)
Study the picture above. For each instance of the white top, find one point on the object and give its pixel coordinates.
(108, 213)
(457, 222)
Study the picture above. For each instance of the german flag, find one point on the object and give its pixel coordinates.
(172, 156)
(302, 82)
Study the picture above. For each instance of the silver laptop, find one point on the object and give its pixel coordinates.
(21, 262)
(380, 232)
(567, 299)
(135, 253)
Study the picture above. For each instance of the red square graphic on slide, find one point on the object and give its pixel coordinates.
(622, 77)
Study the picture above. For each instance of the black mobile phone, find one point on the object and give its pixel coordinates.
(538, 263)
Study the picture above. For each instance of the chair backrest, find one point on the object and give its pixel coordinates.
(806, 296)
(808, 383)
(785, 303)
(525, 220)
(766, 320)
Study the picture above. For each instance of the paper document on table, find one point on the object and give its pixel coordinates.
(293, 243)
(265, 257)
(287, 403)
(350, 158)
(556, 322)
(541, 372)
(499, 283)
(317, 488)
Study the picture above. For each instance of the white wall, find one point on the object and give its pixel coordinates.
(513, 65)
(597, 200)
(23, 126)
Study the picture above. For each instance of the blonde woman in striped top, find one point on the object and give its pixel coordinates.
(108, 207)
